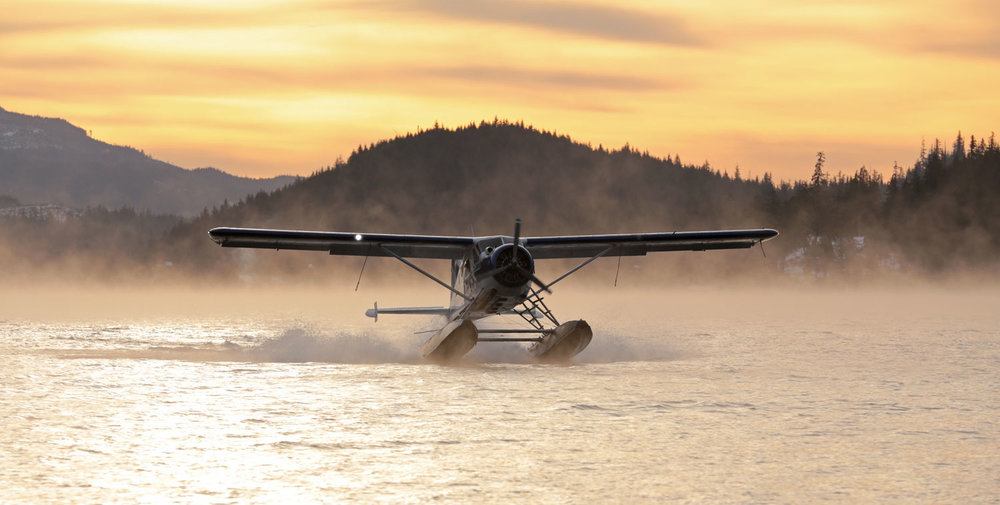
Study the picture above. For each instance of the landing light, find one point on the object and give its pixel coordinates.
(357, 237)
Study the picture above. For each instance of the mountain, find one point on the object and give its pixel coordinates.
(50, 161)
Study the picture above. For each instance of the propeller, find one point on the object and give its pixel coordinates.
(517, 240)
(536, 280)
(517, 233)
(514, 263)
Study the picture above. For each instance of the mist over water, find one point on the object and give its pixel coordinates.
(296, 345)
(708, 395)
(307, 345)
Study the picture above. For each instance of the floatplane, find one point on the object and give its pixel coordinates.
(493, 276)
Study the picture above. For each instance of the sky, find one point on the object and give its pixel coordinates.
(261, 87)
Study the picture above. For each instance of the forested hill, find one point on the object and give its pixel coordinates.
(478, 179)
(481, 177)
(50, 161)
(936, 217)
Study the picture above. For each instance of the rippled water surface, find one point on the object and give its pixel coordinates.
(684, 396)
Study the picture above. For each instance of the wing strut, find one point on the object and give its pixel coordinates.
(421, 270)
(618, 270)
(362, 272)
(581, 265)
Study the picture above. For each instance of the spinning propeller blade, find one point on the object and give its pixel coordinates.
(534, 279)
(517, 235)
(513, 263)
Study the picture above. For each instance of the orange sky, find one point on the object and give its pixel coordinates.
(261, 87)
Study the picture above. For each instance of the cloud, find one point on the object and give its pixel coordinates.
(174, 76)
(548, 78)
(969, 31)
(25, 18)
(604, 22)
(986, 47)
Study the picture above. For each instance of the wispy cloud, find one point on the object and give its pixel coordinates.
(98, 17)
(974, 31)
(321, 76)
(589, 20)
(549, 78)
(985, 48)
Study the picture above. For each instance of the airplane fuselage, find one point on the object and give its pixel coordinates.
(494, 278)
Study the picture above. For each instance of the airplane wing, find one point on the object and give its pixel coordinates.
(449, 247)
(583, 246)
(351, 244)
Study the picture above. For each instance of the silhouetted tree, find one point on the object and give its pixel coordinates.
(819, 178)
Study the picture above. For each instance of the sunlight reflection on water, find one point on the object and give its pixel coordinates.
(762, 405)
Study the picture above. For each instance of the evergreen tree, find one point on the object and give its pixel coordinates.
(958, 148)
(818, 177)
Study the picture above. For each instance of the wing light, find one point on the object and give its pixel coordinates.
(357, 237)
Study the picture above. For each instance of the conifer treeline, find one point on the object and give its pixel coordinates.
(936, 217)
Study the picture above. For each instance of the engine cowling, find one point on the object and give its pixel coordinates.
(506, 273)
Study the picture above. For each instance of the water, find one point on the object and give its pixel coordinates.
(685, 396)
